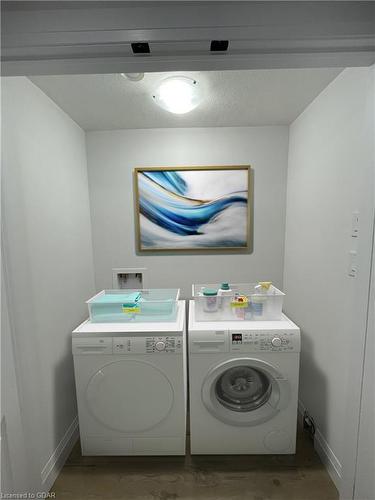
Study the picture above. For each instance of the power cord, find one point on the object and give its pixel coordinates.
(309, 424)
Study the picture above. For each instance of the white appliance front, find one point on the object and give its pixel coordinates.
(125, 407)
(131, 390)
(243, 386)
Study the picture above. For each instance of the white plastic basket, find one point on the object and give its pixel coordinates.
(258, 306)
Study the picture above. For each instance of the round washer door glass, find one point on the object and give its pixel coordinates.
(243, 388)
(129, 396)
(245, 391)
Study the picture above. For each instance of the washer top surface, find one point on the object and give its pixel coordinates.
(284, 324)
(91, 329)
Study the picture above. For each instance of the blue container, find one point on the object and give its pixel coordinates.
(118, 306)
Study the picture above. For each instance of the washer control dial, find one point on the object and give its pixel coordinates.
(160, 345)
(276, 342)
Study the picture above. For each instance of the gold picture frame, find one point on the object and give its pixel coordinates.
(169, 233)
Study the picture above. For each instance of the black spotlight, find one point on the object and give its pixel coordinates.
(140, 48)
(219, 45)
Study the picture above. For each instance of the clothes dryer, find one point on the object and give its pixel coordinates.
(131, 387)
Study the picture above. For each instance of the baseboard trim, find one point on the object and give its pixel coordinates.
(326, 454)
(56, 461)
(328, 458)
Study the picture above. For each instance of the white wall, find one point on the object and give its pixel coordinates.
(13, 460)
(48, 261)
(112, 157)
(364, 471)
(330, 175)
(364, 475)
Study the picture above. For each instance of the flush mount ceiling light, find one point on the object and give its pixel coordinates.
(178, 94)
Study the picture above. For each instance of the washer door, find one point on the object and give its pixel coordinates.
(129, 396)
(245, 391)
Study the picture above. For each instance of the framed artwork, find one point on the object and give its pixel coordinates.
(193, 208)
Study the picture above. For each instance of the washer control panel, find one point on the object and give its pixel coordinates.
(257, 340)
(147, 345)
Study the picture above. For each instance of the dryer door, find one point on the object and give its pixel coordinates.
(129, 396)
(245, 391)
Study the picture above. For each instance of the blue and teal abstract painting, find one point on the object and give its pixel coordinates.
(193, 208)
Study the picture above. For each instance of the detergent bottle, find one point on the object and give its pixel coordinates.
(211, 300)
(225, 294)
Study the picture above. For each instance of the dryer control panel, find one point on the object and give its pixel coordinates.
(260, 341)
(147, 345)
(164, 344)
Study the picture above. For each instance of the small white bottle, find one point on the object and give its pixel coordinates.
(259, 300)
(225, 294)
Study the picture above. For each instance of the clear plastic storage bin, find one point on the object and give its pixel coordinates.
(242, 302)
(117, 306)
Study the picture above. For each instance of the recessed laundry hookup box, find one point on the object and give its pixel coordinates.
(117, 306)
(237, 302)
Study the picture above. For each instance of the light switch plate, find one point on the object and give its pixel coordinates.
(355, 224)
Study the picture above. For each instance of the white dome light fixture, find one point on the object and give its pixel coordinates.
(178, 94)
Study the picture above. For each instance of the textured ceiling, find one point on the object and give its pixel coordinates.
(231, 98)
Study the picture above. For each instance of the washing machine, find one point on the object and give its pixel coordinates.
(243, 378)
(131, 387)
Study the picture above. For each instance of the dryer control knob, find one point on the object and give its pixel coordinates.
(160, 346)
(276, 342)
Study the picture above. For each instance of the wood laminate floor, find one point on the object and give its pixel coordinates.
(224, 477)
